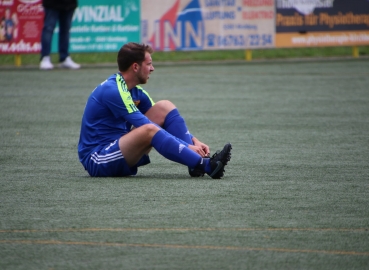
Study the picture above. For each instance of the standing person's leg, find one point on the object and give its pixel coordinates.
(65, 24)
(51, 16)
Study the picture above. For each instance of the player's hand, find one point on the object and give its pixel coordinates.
(198, 150)
(203, 146)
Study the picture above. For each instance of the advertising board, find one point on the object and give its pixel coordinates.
(169, 25)
(20, 26)
(304, 23)
(207, 24)
(103, 25)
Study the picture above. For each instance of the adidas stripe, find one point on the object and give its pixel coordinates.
(99, 159)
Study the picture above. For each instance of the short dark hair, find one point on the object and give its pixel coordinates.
(132, 53)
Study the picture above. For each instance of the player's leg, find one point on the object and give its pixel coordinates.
(138, 142)
(122, 158)
(159, 111)
(165, 114)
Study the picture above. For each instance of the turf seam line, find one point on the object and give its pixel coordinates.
(184, 229)
(110, 244)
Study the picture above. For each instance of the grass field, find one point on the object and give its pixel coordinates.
(295, 194)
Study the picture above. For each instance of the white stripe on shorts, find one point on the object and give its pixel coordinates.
(99, 159)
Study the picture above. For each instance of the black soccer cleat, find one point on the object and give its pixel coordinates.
(195, 172)
(219, 160)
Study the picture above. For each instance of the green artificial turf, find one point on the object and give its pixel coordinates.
(295, 194)
(94, 58)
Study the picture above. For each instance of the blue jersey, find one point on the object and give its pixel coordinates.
(111, 111)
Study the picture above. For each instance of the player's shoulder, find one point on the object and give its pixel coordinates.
(110, 82)
(139, 88)
(107, 87)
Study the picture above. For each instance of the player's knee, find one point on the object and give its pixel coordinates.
(150, 129)
(165, 105)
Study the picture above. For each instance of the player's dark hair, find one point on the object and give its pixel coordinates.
(132, 53)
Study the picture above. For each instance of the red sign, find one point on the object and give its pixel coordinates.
(21, 25)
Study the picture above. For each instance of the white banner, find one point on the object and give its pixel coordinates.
(207, 24)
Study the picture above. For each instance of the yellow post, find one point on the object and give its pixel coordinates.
(248, 55)
(355, 52)
(18, 60)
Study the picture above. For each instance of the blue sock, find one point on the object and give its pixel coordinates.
(204, 165)
(173, 150)
(176, 125)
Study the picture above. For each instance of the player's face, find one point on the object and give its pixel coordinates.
(145, 69)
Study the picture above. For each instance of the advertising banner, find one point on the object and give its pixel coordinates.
(170, 25)
(303, 23)
(103, 25)
(21, 26)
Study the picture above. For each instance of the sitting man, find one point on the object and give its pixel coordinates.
(121, 124)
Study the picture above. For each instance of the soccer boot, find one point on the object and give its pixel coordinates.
(195, 172)
(219, 160)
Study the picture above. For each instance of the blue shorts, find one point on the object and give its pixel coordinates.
(108, 161)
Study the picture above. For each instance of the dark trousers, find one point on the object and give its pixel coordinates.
(64, 18)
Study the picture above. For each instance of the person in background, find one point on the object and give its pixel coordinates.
(60, 11)
(2, 29)
(9, 25)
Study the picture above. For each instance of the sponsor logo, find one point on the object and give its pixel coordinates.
(103, 13)
(113, 143)
(305, 7)
(181, 146)
(29, 1)
(6, 2)
(175, 30)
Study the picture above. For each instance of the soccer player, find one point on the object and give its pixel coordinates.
(121, 124)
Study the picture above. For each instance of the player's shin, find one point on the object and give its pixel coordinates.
(176, 125)
(173, 150)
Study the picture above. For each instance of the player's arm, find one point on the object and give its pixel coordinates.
(126, 109)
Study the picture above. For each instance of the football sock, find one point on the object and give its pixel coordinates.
(173, 150)
(204, 165)
(176, 125)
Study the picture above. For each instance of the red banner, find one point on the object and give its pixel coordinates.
(21, 26)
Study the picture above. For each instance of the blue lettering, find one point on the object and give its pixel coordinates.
(228, 27)
(254, 40)
(219, 3)
(219, 15)
(247, 26)
(231, 40)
